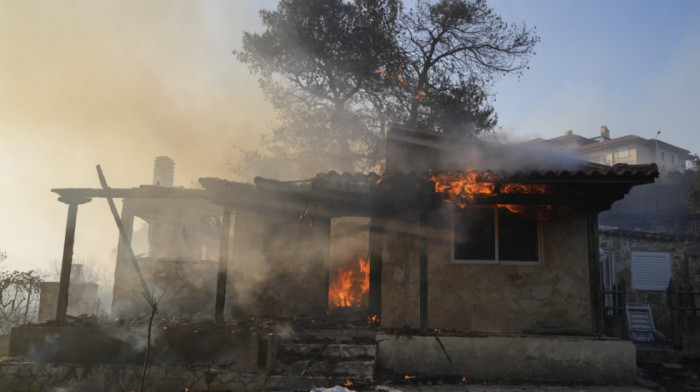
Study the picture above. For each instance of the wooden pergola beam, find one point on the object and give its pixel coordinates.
(67, 260)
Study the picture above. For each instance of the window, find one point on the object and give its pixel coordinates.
(495, 235)
(603, 160)
(650, 270)
(673, 158)
(663, 156)
(623, 152)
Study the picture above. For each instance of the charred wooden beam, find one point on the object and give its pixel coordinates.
(123, 235)
(321, 237)
(144, 192)
(67, 261)
(222, 272)
(375, 266)
(423, 274)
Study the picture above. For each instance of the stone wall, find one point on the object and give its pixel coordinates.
(511, 358)
(39, 377)
(622, 245)
(553, 296)
(400, 272)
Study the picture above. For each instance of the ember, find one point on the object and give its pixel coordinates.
(528, 189)
(350, 288)
(372, 319)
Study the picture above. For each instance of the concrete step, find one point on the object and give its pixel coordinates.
(299, 383)
(351, 369)
(304, 363)
(340, 351)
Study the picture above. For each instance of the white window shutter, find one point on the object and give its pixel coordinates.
(650, 270)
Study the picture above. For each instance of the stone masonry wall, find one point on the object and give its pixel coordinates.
(39, 377)
(553, 296)
(400, 273)
(622, 246)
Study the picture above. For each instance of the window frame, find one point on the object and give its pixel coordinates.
(453, 210)
(622, 152)
(666, 256)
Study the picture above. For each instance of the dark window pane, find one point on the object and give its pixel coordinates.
(517, 237)
(474, 234)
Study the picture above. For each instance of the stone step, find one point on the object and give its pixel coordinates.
(299, 383)
(340, 351)
(351, 369)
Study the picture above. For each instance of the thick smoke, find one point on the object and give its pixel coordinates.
(115, 83)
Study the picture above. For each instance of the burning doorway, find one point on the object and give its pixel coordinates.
(348, 286)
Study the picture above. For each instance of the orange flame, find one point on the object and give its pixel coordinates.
(350, 286)
(395, 76)
(528, 189)
(381, 167)
(348, 382)
(419, 95)
(465, 187)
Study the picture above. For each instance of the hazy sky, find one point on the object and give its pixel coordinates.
(629, 64)
(118, 83)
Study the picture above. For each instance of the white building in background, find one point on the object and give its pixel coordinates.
(630, 149)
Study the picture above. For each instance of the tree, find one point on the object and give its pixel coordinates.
(19, 298)
(452, 50)
(337, 72)
(316, 61)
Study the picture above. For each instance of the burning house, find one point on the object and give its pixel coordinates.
(478, 250)
(492, 246)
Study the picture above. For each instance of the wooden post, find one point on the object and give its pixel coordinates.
(67, 261)
(673, 299)
(122, 294)
(320, 237)
(375, 266)
(125, 238)
(594, 272)
(422, 232)
(622, 305)
(223, 266)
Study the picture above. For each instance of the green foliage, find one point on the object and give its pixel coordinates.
(338, 71)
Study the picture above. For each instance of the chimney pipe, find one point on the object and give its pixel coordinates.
(163, 171)
(604, 132)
